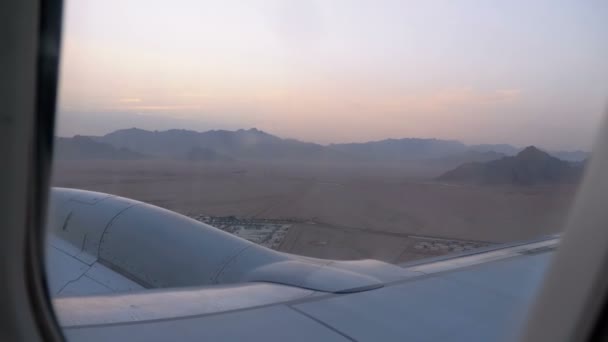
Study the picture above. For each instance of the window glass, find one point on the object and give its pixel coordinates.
(339, 130)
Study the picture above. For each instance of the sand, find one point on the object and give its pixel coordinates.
(345, 211)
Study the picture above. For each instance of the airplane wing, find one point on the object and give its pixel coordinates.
(121, 269)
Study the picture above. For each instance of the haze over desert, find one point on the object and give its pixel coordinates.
(394, 212)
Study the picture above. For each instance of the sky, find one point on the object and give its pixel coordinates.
(519, 71)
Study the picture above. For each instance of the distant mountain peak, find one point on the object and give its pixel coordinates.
(531, 148)
(533, 153)
(133, 129)
(254, 130)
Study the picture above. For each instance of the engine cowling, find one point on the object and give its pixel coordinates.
(158, 248)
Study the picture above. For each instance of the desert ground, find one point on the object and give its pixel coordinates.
(391, 212)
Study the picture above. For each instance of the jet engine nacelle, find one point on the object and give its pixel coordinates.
(158, 248)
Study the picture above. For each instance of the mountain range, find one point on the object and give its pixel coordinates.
(254, 144)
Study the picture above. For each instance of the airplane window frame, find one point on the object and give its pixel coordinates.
(576, 278)
(30, 33)
(50, 19)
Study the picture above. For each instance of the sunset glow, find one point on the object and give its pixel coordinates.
(516, 72)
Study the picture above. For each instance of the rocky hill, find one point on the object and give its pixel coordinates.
(531, 166)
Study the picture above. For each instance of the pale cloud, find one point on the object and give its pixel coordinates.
(447, 99)
(345, 100)
(195, 95)
(509, 93)
(130, 100)
(158, 107)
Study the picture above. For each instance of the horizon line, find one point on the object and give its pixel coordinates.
(328, 144)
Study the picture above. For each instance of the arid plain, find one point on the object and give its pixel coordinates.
(392, 212)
